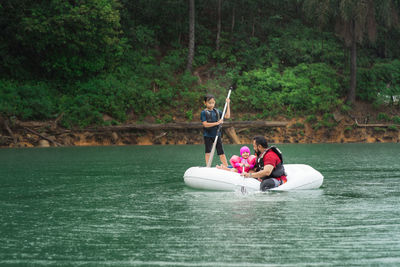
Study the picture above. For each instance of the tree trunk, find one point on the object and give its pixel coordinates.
(322, 50)
(351, 97)
(233, 20)
(254, 27)
(9, 130)
(187, 125)
(232, 135)
(191, 36)
(218, 24)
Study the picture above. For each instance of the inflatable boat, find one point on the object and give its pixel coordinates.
(299, 177)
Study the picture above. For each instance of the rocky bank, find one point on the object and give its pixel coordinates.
(359, 125)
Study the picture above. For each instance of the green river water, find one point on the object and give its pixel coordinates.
(129, 206)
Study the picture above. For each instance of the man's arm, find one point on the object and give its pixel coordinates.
(266, 172)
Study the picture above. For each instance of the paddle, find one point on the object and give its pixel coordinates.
(242, 188)
(218, 130)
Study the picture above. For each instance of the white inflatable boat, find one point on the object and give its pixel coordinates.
(299, 177)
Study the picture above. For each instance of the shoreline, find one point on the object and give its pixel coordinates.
(335, 127)
(295, 132)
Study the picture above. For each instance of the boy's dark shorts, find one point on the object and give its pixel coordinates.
(209, 141)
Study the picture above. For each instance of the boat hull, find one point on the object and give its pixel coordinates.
(299, 177)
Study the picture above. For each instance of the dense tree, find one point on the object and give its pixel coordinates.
(59, 39)
(217, 42)
(191, 35)
(154, 23)
(354, 20)
(118, 57)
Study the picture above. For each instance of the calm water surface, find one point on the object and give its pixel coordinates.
(129, 206)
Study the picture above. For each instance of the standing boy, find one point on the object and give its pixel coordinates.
(211, 119)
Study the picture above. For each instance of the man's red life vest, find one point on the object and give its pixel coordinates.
(278, 170)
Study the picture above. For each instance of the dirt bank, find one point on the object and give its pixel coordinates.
(361, 124)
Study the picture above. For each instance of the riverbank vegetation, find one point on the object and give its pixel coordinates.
(82, 61)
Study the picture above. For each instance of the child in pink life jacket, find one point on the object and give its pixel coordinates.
(245, 160)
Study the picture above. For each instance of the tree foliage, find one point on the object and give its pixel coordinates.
(354, 21)
(304, 88)
(59, 39)
(127, 59)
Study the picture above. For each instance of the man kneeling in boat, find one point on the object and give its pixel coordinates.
(269, 168)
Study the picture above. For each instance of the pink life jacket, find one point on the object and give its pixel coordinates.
(236, 160)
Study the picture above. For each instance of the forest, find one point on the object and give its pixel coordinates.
(129, 60)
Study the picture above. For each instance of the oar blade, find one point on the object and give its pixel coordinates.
(212, 152)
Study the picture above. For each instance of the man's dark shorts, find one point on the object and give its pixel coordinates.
(209, 141)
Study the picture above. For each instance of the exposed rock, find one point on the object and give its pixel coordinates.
(4, 140)
(144, 140)
(68, 140)
(337, 116)
(114, 137)
(107, 118)
(295, 130)
(44, 143)
(21, 145)
(388, 138)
